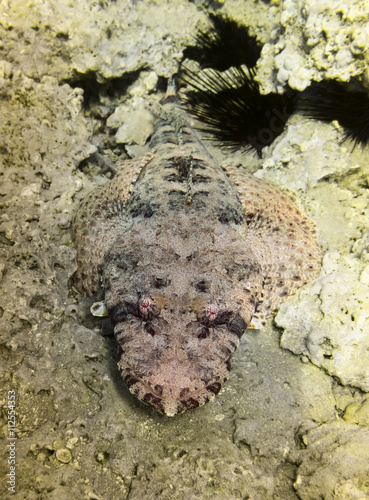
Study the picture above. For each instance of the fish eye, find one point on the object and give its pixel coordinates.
(149, 305)
(208, 314)
(211, 312)
(147, 308)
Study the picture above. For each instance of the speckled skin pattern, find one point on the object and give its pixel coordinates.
(187, 256)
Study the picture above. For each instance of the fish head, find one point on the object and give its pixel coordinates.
(177, 322)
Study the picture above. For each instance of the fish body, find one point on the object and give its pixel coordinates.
(186, 256)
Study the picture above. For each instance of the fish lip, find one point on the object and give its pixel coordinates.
(171, 406)
(155, 392)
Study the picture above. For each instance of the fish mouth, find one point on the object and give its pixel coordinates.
(171, 401)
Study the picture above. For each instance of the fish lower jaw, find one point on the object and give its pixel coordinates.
(172, 401)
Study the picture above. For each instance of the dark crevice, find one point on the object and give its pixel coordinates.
(113, 88)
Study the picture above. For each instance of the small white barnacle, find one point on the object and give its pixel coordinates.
(99, 309)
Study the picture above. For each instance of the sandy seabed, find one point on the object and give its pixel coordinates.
(292, 420)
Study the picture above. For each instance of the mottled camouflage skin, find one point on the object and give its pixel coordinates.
(186, 256)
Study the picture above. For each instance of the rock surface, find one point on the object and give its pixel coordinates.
(292, 421)
(316, 40)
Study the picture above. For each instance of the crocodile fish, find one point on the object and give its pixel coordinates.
(185, 255)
